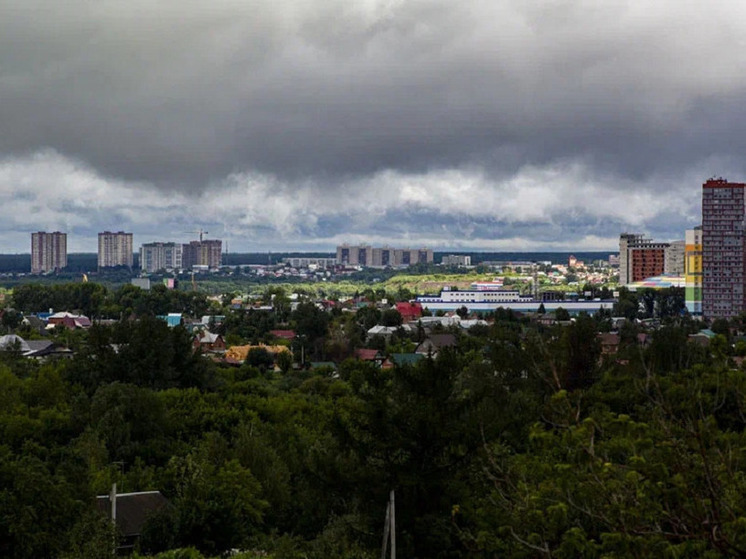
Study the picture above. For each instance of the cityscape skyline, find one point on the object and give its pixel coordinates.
(316, 123)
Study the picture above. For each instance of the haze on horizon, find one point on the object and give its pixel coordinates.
(483, 125)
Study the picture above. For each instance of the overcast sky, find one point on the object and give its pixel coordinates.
(297, 125)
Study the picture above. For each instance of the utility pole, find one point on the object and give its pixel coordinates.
(389, 528)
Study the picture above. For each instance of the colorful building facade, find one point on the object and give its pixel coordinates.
(693, 271)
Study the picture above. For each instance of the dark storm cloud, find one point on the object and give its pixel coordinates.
(184, 93)
(484, 124)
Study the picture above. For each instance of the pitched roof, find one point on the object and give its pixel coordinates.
(133, 509)
(208, 338)
(381, 330)
(367, 354)
(443, 340)
(283, 334)
(10, 340)
(406, 358)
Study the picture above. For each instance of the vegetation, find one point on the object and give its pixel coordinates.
(524, 439)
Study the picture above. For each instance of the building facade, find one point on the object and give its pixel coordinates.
(115, 249)
(354, 255)
(48, 252)
(160, 256)
(381, 257)
(456, 260)
(723, 213)
(641, 258)
(693, 271)
(310, 262)
(203, 253)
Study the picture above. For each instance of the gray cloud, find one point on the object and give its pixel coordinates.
(322, 101)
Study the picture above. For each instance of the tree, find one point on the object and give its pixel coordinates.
(391, 318)
(597, 481)
(368, 316)
(217, 506)
(311, 325)
(561, 314)
(261, 358)
(583, 351)
(11, 319)
(412, 431)
(284, 361)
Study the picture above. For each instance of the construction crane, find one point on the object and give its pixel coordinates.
(200, 232)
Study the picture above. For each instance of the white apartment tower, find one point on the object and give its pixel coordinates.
(161, 256)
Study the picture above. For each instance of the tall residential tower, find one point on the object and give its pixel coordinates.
(48, 252)
(114, 249)
(723, 274)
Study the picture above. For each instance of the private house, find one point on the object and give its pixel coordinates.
(172, 319)
(35, 323)
(130, 512)
(36, 349)
(435, 343)
(409, 311)
(68, 320)
(209, 342)
(378, 330)
(609, 343)
(370, 355)
(405, 359)
(288, 335)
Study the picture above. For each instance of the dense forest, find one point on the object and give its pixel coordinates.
(524, 438)
(87, 262)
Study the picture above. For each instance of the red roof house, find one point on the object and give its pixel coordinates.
(409, 311)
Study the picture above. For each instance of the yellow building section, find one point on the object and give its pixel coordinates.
(240, 352)
(693, 271)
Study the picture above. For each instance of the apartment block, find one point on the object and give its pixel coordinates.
(723, 249)
(161, 256)
(115, 249)
(203, 253)
(48, 252)
(381, 257)
(310, 262)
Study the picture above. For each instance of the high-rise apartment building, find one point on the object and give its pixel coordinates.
(693, 271)
(48, 252)
(114, 249)
(203, 253)
(161, 256)
(723, 274)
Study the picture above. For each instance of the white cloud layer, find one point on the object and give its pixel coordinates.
(47, 191)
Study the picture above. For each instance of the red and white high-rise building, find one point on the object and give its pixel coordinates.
(723, 248)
